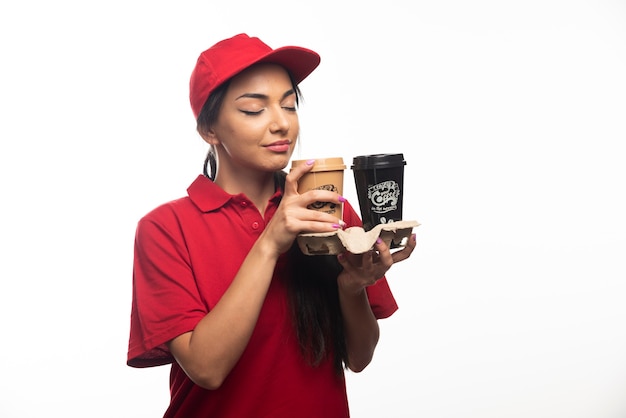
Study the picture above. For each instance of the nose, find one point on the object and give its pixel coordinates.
(280, 121)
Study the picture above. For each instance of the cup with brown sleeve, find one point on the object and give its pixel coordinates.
(326, 174)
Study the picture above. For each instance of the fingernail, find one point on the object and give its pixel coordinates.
(341, 199)
(310, 162)
(336, 226)
(378, 240)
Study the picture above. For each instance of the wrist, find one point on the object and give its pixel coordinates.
(349, 286)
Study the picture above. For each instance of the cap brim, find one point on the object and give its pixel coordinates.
(299, 61)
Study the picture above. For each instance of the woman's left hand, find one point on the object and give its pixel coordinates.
(362, 270)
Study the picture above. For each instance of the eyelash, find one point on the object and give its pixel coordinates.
(252, 113)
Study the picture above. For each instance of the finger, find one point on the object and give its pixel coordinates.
(384, 255)
(320, 197)
(312, 227)
(304, 213)
(375, 266)
(294, 175)
(354, 260)
(406, 251)
(343, 259)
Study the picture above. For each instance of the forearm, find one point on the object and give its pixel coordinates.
(211, 350)
(361, 328)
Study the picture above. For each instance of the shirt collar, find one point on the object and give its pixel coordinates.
(208, 196)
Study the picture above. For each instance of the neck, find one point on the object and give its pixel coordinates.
(258, 187)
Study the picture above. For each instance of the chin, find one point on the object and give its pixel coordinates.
(281, 162)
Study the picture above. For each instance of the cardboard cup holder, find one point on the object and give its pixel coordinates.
(355, 239)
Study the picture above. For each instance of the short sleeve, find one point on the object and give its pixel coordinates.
(165, 301)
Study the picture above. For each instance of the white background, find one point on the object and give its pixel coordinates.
(511, 116)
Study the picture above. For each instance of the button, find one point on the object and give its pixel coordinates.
(255, 225)
(244, 203)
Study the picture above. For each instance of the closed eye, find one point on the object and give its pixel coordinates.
(250, 112)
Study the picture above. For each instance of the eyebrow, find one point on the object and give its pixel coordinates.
(264, 96)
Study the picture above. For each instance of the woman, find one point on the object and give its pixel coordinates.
(252, 327)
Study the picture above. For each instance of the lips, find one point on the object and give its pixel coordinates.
(279, 146)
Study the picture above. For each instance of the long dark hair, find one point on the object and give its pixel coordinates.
(312, 286)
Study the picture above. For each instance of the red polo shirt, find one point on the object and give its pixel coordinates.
(187, 252)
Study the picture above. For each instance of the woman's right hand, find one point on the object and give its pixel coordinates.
(293, 217)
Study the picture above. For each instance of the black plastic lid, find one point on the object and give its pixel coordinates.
(367, 162)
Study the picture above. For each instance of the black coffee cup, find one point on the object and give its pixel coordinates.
(379, 180)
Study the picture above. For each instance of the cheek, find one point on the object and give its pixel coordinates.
(237, 133)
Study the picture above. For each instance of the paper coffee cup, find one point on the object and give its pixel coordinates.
(326, 174)
(379, 180)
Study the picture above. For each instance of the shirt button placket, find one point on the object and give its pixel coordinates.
(255, 224)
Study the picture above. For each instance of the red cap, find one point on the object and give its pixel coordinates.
(233, 55)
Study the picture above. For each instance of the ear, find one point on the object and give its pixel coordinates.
(209, 136)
